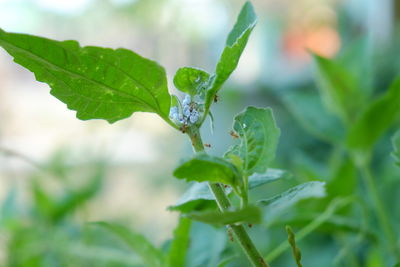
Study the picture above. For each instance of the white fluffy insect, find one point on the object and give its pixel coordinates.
(187, 115)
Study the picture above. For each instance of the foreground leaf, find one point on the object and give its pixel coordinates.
(258, 139)
(235, 44)
(379, 116)
(272, 175)
(249, 214)
(180, 243)
(290, 197)
(99, 83)
(208, 168)
(396, 147)
(150, 255)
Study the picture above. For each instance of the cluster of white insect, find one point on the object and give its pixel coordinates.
(189, 114)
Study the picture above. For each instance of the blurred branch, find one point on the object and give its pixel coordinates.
(11, 153)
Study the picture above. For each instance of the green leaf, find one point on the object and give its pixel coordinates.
(180, 243)
(357, 57)
(343, 181)
(207, 245)
(249, 214)
(339, 89)
(258, 139)
(235, 44)
(197, 197)
(292, 196)
(396, 147)
(150, 255)
(99, 83)
(295, 250)
(208, 168)
(191, 81)
(227, 260)
(311, 114)
(73, 199)
(379, 116)
(272, 175)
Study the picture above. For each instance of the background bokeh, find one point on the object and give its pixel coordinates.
(43, 147)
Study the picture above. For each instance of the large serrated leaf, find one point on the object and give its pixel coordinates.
(249, 214)
(180, 243)
(235, 44)
(150, 255)
(203, 167)
(258, 139)
(378, 117)
(292, 196)
(99, 83)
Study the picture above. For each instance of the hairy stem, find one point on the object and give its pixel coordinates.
(224, 204)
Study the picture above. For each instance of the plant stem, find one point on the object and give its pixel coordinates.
(224, 204)
(380, 209)
(335, 205)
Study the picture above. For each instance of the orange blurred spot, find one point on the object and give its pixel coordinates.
(323, 40)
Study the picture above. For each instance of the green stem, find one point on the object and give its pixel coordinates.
(224, 204)
(335, 205)
(380, 209)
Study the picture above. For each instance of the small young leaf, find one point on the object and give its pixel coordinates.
(191, 80)
(295, 250)
(204, 167)
(258, 139)
(292, 196)
(272, 175)
(235, 44)
(380, 115)
(396, 147)
(339, 89)
(99, 83)
(180, 243)
(150, 255)
(249, 214)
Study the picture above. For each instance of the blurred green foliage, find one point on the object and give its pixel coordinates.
(322, 135)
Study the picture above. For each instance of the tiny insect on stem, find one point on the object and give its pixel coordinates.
(234, 134)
